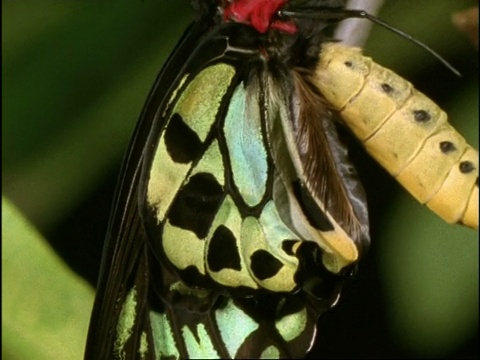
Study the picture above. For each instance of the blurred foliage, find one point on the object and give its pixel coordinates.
(75, 76)
(44, 304)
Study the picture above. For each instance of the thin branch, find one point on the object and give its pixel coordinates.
(355, 32)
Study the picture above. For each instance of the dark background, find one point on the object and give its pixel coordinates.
(75, 75)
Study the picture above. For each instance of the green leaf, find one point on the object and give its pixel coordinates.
(45, 306)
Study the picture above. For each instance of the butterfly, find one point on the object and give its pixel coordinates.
(238, 215)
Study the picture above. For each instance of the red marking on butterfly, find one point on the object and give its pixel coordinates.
(259, 14)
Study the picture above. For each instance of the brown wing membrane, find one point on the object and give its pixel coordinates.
(320, 150)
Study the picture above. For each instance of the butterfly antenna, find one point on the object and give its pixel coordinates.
(338, 14)
(364, 15)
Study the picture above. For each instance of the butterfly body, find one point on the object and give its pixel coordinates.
(407, 133)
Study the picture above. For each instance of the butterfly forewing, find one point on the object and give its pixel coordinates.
(125, 251)
(228, 238)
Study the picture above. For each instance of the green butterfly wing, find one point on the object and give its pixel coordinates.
(237, 215)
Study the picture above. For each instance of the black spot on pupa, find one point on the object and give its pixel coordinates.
(466, 167)
(315, 216)
(222, 250)
(348, 64)
(196, 204)
(287, 246)
(264, 265)
(388, 89)
(447, 147)
(183, 144)
(421, 116)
